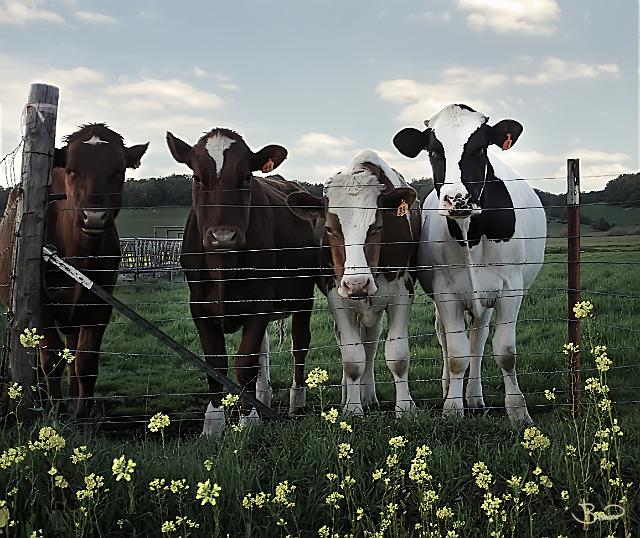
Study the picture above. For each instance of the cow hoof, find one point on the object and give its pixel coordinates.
(251, 419)
(475, 406)
(479, 411)
(297, 400)
(213, 421)
(353, 409)
(520, 416)
(405, 407)
(264, 394)
(453, 408)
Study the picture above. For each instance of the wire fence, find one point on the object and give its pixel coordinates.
(139, 377)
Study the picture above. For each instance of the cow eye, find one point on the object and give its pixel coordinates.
(435, 156)
(196, 178)
(375, 229)
(329, 231)
(72, 174)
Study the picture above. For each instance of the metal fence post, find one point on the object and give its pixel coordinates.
(37, 162)
(573, 269)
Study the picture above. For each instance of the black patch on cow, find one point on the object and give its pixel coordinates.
(497, 222)
(465, 107)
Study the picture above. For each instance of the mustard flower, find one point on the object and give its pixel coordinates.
(550, 394)
(283, 491)
(80, 454)
(66, 355)
(346, 426)
(330, 416)
(531, 488)
(534, 439)
(333, 499)
(207, 493)
(397, 442)
(178, 486)
(230, 400)
(92, 484)
(583, 309)
(157, 484)
(317, 377)
(444, 512)
(123, 470)
(570, 348)
(12, 456)
(48, 439)
(345, 451)
(208, 464)
(158, 422)
(482, 475)
(14, 391)
(30, 339)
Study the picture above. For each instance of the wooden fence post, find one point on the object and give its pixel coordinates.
(37, 161)
(573, 294)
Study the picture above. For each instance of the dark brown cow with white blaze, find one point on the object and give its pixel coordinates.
(90, 171)
(372, 231)
(248, 260)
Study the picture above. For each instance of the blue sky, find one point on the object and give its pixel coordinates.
(329, 78)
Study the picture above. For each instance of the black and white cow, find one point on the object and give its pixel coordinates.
(372, 233)
(482, 245)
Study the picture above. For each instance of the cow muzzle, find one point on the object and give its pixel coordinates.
(458, 206)
(95, 221)
(220, 239)
(357, 286)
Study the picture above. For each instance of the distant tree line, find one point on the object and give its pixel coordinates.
(175, 190)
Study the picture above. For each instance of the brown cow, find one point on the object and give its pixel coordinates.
(90, 170)
(373, 233)
(248, 260)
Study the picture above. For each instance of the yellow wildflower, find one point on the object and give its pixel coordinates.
(230, 400)
(207, 493)
(66, 355)
(123, 470)
(15, 391)
(531, 488)
(397, 442)
(346, 426)
(281, 496)
(583, 309)
(80, 454)
(534, 439)
(158, 422)
(345, 451)
(482, 475)
(550, 394)
(30, 339)
(330, 416)
(317, 377)
(48, 439)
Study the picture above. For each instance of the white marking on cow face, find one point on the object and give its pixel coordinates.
(453, 126)
(216, 145)
(95, 140)
(353, 197)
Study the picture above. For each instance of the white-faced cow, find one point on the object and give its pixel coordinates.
(248, 260)
(482, 245)
(372, 234)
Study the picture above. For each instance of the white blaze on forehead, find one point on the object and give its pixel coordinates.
(216, 145)
(95, 140)
(353, 198)
(453, 126)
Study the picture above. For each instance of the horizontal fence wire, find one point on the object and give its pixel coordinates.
(158, 255)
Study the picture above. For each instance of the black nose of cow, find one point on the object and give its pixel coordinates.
(94, 221)
(459, 205)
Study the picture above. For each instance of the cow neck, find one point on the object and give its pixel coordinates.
(496, 222)
(397, 247)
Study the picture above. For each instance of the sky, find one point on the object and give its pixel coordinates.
(327, 79)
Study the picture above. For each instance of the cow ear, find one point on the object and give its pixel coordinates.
(410, 142)
(181, 151)
(394, 198)
(268, 158)
(134, 154)
(306, 206)
(60, 157)
(505, 133)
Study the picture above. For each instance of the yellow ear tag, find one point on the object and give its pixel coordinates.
(268, 167)
(403, 209)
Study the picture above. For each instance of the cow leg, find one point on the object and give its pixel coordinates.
(52, 364)
(300, 340)
(246, 363)
(478, 333)
(504, 353)
(86, 362)
(352, 352)
(264, 392)
(370, 337)
(458, 352)
(73, 390)
(215, 354)
(440, 335)
(396, 351)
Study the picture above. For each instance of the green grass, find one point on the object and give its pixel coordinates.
(140, 222)
(139, 377)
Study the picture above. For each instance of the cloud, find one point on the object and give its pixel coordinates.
(530, 17)
(159, 94)
(556, 70)
(22, 12)
(430, 16)
(141, 109)
(199, 72)
(420, 101)
(323, 144)
(93, 17)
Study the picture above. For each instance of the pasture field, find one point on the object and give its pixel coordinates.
(139, 377)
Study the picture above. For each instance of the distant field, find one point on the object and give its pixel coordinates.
(140, 222)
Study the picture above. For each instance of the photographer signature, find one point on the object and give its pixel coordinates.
(609, 513)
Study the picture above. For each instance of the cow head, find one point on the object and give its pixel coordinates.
(223, 167)
(457, 139)
(94, 159)
(352, 209)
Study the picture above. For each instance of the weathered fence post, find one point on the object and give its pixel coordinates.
(37, 161)
(573, 293)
